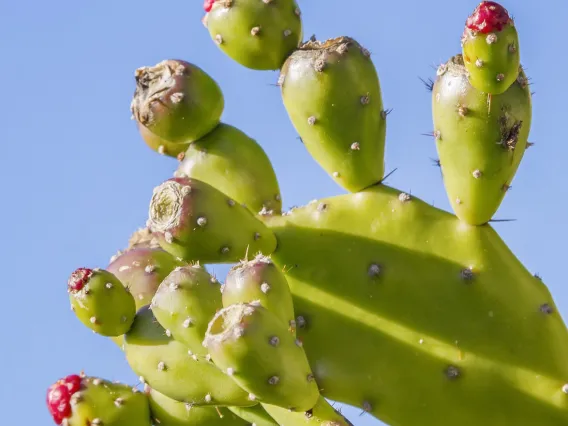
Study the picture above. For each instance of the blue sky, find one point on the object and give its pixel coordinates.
(78, 178)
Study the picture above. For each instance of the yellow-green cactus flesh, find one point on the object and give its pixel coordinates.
(255, 348)
(161, 146)
(101, 302)
(194, 221)
(418, 318)
(174, 370)
(255, 415)
(236, 165)
(480, 149)
(322, 414)
(256, 34)
(332, 94)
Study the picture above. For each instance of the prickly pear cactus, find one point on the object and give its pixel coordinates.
(372, 298)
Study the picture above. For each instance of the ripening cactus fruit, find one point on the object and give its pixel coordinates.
(78, 400)
(100, 301)
(490, 48)
(256, 349)
(175, 102)
(479, 150)
(332, 94)
(236, 165)
(196, 222)
(258, 34)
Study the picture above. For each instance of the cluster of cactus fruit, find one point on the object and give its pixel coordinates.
(373, 298)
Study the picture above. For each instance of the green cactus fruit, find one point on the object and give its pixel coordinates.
(184, 304)
(490, 47)
(78, 400)
(236, 165)
(322, 414)
(332, 94)
(176, 101)
(169, 412)
(256, 34)
(254, 347)
(479, 150)
(174, 370)
(255, 415)
(162, 146)
(100, 301)
(196, 222)
(404, 311)
(260, 280)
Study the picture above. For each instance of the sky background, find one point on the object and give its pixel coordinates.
(77, 178)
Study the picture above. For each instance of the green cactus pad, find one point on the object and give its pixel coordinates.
(80, 400)
(184, 304)
(322, 414)
(236, 165)
(176, 101)
(260, 280)
(255, 348)
(255, 415)
(196, 222)
(169, 412)
(332, 94)
(174, 370)
(256, 34)
(101, 302)
(162, 146)
(479, 150)
(418, 318)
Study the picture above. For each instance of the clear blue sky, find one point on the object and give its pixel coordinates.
(77, 178)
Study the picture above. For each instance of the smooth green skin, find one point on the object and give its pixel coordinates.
(236, 165)
(169, 412)
(244, 284)
(183, 378)
(160, 145)
(113, 308)
(255, 360)
(497, 59)
(98, 402)
(229, 224)
(322, 413)
(388, 339)
(184, 304)
(270, 47)
(333, 97)
(472, 142)
(256, 415)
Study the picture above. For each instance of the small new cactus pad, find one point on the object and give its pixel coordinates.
(479, 150)
(169, 412)
(236, 165)
(322, 414)
(256, 349)
(78, 400)
(196, 222)
(332, 94)
(490, 47)
(255, 415)
(184, 304)
(174, 370)
(406, 311)
(258, 34)
(176, 101)
(101, 301)
(260, 280)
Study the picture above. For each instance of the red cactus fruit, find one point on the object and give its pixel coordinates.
(59, 397)
(208, 5)
(488, 17)
(79, 279)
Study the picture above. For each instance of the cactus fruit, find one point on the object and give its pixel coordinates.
(256, 34)
(332, 94)
(480, 151)
(100, 301)
(490, 48)
(322, 414)
(174, 370)
(196, 222)
(78, 400)
(260, 280)
(255, 415)
(236, 165)
(169, 412)
(184, 304)
(254, 347)
(176, 101)
(162, 146)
